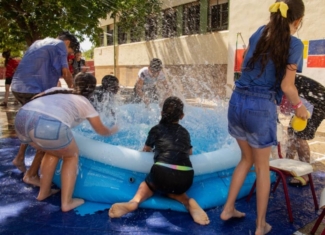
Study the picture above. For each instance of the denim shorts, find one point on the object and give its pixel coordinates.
(45, 131)
(252, 116)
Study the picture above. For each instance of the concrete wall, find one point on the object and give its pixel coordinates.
(191, 59)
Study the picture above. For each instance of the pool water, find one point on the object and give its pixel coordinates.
(207, 127)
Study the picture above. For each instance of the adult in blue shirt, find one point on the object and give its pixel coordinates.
(43, 64)
(270, 65)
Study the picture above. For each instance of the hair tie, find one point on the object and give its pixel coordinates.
(279, 5)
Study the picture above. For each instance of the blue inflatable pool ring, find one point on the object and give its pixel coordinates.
(111, 168)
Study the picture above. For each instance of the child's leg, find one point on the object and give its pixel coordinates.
(198, 214)
(68, 177)
(237, 181)
(47, 171)
(5, 100)
(292, 145)
(31, 176)
(263, 182)
(69, 156)
(303, 150)
(19, 160)
(119, 209)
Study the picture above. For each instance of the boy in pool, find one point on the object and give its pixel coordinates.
(145, 89)
(172, 173)
(103, 97)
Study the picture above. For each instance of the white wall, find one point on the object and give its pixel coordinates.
(246, 16)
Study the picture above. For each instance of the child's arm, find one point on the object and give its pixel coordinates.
(190, 152)
(147, 149)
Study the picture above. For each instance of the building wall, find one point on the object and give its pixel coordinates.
(186, 59)
(246, 16)
(207, 60)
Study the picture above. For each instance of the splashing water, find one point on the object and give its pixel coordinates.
(207, 126)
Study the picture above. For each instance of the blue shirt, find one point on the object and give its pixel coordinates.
(267, 79)
(41, 67)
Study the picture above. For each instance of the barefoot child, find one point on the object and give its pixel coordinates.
(45, 123)
(269, 67)
(172, 173)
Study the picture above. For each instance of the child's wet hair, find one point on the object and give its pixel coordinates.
(155, 65)
(172, 110)
(110, 83)
(84, 84)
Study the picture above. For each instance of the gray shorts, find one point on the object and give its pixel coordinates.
(45, 131)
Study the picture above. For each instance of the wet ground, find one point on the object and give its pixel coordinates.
(317, 145)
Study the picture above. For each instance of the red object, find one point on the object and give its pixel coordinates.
(281, 176)
(297, 106)
(2, 72)
(317, 223)
(91, 66)
(316, 61)
(285, 107)
(11, 68)
(70, 57)
(239, 59)
(70, 62)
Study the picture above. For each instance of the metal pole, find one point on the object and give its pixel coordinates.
(114, 42)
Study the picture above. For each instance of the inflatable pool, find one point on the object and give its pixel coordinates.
(111, 168)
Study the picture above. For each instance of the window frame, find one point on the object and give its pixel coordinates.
(188, 18)
(169, 23)
(222, 17)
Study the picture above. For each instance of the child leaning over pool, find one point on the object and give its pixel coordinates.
(172, 173)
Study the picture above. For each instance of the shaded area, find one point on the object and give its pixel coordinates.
(21, 213)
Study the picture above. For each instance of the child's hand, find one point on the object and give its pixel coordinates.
(113, 130)
(302, 112)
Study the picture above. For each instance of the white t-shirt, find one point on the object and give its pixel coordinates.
(68, 108)
(148, 81)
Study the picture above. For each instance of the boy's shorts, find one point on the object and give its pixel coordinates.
(252, 116)
(165, 180)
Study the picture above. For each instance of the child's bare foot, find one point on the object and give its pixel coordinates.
(226, 215)
(20, 165)
(198, 214)
(34, 180)
(119, 209)
(43, 195)
(263, 230)
(74, 202)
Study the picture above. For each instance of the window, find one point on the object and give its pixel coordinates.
(191, 18)
(218, 13)
(169, 24)
(135, 34)
(121, 35)
(109, 37)
(101, 39)
(151, 28)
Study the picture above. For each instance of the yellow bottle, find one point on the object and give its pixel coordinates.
(298, 124)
